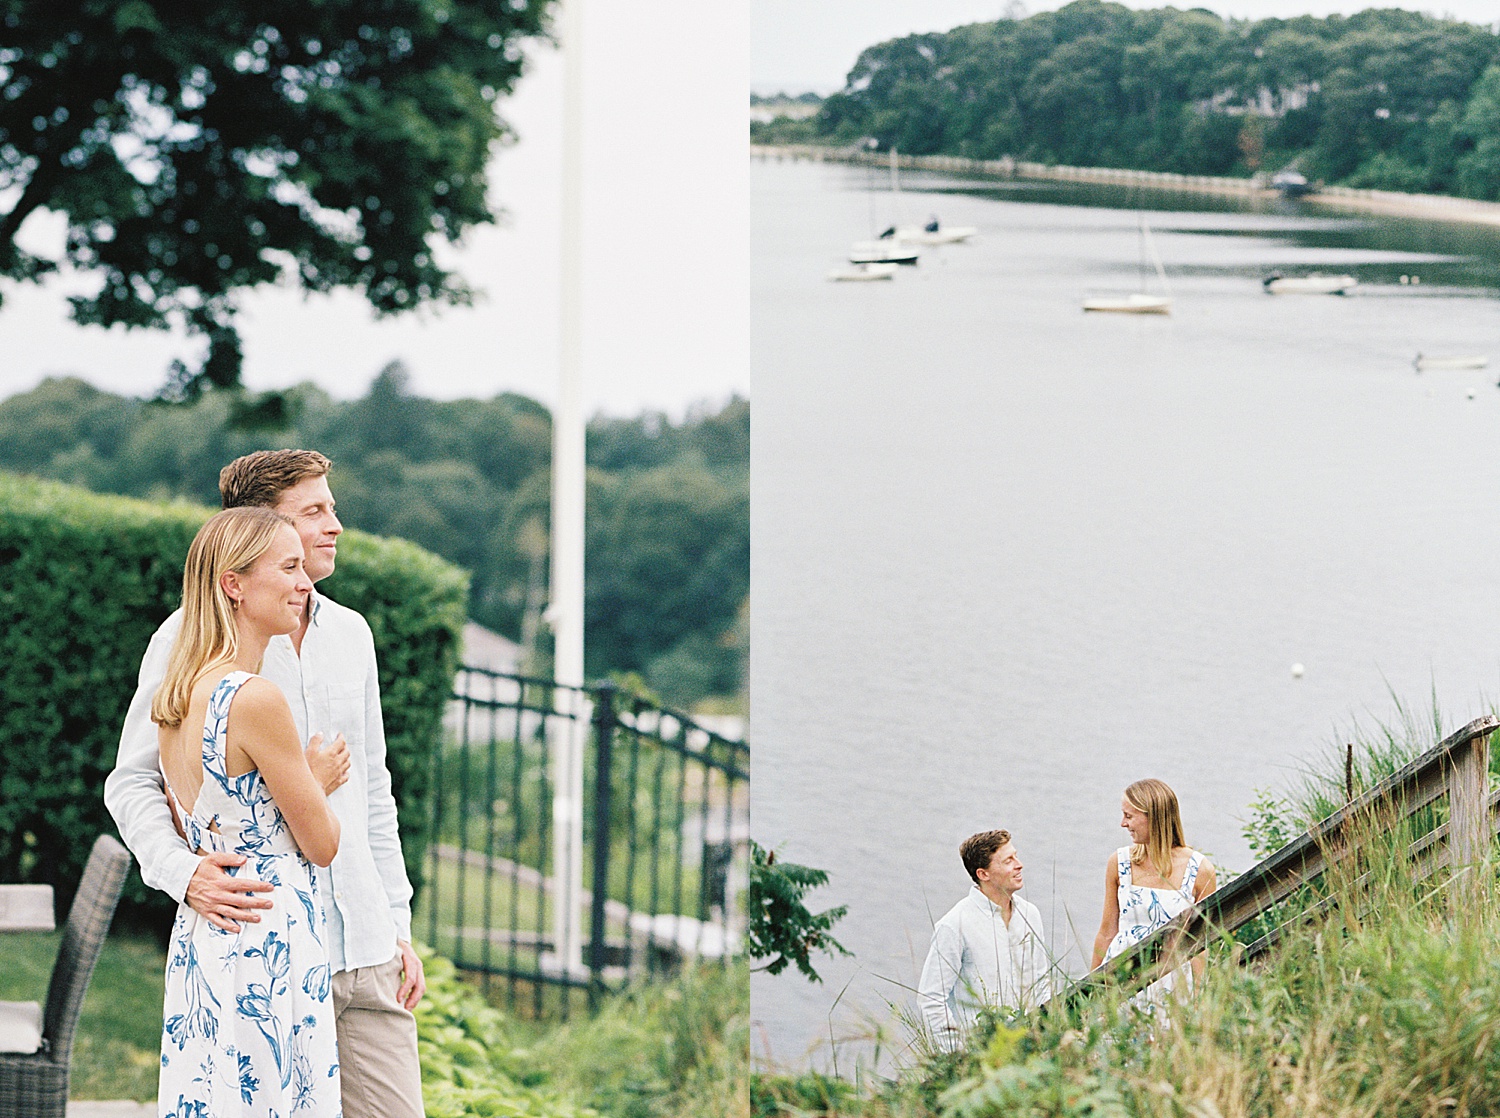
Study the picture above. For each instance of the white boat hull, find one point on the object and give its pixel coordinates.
(1314, 284)
(1468, 361)
(863, 273)
(1139, 303)
(945, 235)
(882, 252)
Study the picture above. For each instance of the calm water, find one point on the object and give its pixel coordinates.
(1008, 557)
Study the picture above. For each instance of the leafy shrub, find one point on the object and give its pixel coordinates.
(84, 582)
(782, 928)
(470, 1065)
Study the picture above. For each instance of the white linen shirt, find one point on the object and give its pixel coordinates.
(976, 960)
(332, 688)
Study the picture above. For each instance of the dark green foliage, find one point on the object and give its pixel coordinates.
(781, 928)
(812, 1092)
(199, 149)
(668, 561)
(84, 582)
(1390, 99)
(668, 551)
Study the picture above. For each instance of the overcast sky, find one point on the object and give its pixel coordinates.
(798, 45)
(666, 248)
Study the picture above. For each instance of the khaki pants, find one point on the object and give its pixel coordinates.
(377, 1036)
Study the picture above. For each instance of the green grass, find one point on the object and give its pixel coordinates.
(678, 1049)
(117, 1049)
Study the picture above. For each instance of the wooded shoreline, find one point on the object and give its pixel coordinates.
(1432, 207)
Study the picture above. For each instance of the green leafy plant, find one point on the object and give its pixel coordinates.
(471, 1066)
(782, 928)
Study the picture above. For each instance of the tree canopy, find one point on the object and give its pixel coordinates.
(668, 555)
(1384, 98)
(196, 150)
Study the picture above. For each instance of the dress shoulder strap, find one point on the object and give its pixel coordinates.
(1122, 856)
(216, 722)
(1190, 876)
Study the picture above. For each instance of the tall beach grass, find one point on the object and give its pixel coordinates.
(1382, 1003)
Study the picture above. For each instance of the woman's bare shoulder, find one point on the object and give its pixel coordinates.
(258, 697)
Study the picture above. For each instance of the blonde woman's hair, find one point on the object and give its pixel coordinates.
(231, 541)
(1163, 825)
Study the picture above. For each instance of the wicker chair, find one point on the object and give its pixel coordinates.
(35, 1085)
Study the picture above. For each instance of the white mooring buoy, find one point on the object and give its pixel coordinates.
(1297, 670)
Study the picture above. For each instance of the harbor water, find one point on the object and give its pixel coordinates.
(1008, 557)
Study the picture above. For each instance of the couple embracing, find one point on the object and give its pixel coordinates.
(290, 973)
(988, 952)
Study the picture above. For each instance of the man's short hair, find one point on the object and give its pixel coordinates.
(261, 478)
(977, 850)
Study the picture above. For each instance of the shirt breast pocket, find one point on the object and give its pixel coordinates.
(346, 715)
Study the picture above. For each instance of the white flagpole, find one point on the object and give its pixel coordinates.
(566, 609)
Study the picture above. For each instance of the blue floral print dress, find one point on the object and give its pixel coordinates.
(1142, 911)
(248, 1028)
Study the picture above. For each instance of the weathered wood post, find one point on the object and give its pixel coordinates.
(1468, 814)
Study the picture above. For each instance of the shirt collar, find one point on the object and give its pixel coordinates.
(986, 905)
(314, 606)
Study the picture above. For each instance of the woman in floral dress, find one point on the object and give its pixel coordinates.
(1148, 883)
(248, 1027)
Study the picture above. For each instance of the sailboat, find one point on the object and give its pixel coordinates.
(882, 249)
(1142, 301)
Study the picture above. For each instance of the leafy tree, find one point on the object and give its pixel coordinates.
(1479, 170)
(668, 561)
(1382, 98)
(781, 928)
(668, 557)
(200, 149)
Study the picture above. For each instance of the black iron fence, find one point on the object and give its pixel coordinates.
(665, 851)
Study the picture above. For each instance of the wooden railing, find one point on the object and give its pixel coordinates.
(1457, 767)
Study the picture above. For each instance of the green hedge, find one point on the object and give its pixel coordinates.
(85, 580)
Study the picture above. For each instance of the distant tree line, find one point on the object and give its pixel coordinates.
(668, 503)
(1386, 99)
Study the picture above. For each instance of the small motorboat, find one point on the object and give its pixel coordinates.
(1454, 361)
(1292, 183)
(864, 273)
(1139, 302)
(883, 252)
(1314, 283)
(934, 233)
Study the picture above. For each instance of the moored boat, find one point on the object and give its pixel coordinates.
(1314, 283)
(1140, 302)
(1453, 361)
(863, 273)
(883, 252)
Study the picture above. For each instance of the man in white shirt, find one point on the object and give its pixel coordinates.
(327, 671)
(987, 950)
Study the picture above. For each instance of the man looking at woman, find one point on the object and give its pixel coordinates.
(987, 950)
